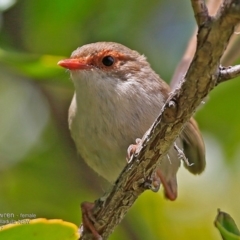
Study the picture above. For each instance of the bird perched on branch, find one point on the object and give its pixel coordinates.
(117, 98)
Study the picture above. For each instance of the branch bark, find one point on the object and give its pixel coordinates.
(228, 73)
(202, 76)
(201, 11)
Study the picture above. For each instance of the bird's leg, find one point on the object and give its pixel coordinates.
(181, 155)
(153, 182)
(156, 179)
(88, 219)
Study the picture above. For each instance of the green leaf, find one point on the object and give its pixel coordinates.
(227, 227)
(39, 229)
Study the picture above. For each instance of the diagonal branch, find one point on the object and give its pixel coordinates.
(202, 76)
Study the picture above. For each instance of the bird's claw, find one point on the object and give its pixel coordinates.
(132, 149)
(153, 183)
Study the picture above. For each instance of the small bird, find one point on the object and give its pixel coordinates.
(117, 98)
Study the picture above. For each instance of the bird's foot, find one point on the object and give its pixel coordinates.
(181, 155)
(153, 183)
(132, 149)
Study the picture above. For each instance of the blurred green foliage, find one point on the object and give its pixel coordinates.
(40, 171)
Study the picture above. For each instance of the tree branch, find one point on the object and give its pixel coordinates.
(202, 76)
(228, 73)
(200, 11)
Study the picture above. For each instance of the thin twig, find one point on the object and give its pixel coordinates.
(228, 73)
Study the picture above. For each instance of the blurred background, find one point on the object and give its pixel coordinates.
(40, 170)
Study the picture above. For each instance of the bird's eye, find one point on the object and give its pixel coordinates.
(108, 61)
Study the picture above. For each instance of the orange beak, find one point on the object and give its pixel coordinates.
(74, 64)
